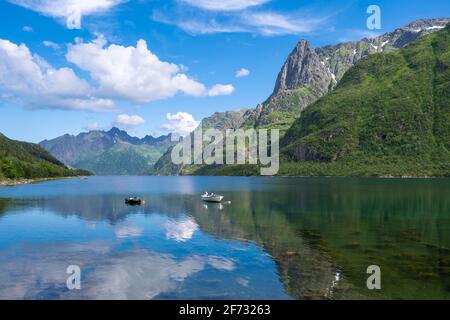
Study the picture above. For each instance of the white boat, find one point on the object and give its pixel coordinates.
(211, 197)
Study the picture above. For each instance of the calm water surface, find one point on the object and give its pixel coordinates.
(279, 238)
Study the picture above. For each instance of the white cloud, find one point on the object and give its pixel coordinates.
(242, 73)
(135, 73)
(51, 44)
(269, 23)
(132, 73)
(198, 26)
(181, 123)
(224, 5)
(127, 121)
(33, 82)
(262, 22)
(221, 90)
(71, 11)
(27, 29)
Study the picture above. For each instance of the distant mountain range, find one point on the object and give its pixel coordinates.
(112, 152)
(22, 160)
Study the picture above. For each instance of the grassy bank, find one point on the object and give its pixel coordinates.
(393, 166)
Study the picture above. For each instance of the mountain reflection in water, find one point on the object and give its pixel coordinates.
(279, 238)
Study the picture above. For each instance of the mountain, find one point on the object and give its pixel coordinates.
(308, 73)
(112, 152)
(390, 114)
(28, 161)
(220, 121)
(225, 120)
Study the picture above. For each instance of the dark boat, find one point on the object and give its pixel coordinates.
(134, 201)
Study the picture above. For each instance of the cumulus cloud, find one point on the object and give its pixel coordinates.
(181, 123)
(221, 5)
(33, 82)
(242, 73)
(132, 73)
(71, 11)
(221, 90)
(27, 29)
(127, 121)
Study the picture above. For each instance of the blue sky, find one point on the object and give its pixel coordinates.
(67, 66)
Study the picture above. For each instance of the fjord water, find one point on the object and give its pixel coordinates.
(279, 238)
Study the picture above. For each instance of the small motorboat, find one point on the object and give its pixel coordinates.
(211, 197)
(134, 201)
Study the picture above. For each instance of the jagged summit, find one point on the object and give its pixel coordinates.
(308, 73)
(115, 130)
(303, 67)
(390, 105)
(426, 24)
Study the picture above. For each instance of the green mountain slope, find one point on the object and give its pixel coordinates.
(27, 160)
(390, 114)
(308, 74)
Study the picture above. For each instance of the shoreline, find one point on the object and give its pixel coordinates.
(18, 182)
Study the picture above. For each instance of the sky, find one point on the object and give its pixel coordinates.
(157, 66)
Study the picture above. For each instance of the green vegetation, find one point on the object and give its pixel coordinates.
(389, 115)
(281, 110)
(375, 167)
(228, 170)
(124, 159)
(21, 160)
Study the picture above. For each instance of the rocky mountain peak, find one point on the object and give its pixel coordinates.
(309, 73)
(225, 120)
(302, 67)
(151, 141)
(117, 131)
(426, 25)
(123, 136)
